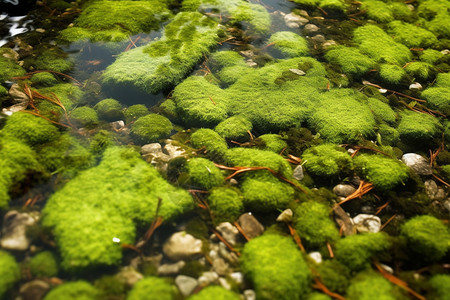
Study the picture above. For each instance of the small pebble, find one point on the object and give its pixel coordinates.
(367, 223)
(249, 295)
(415, 86)
(182, 245)
(298, 173)
(343, 190)
(185, 284)
(171, 269)
(417, 163)
(250, 225)
(316, 256)
(285, 216)
(311, 28)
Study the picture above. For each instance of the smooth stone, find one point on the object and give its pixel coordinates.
(173, 150)
(224, 283)
(298, 173)
(237, 277)
(14, 231)
(19, 99)
(229, 232)
(367, 223)
(316, 257)
(344, 190)
(318, 38)
(220, 266)
(224, 252)
(294, 21)
(285, 216)
(129, 276)
(431, 188)
(447, 204)
(415, 86)
(248, 53)
(182, 245)
(171, 269)
(33, 290)
(118, 125)
(417, 163)
(250, 225)
(329, 43)
(185, 284)
(251, 63)
(249, 295)
(207, 278)
(297, 72)
(311, 28)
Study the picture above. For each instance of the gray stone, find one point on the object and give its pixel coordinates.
(237, 277)
(185, 284)
(294, 21)
(311, 28)
(415, 86)
(208, 278)
(447, 204)
(33, 290)
(367, 223)
(250, 225)
(328, 44)
(249, 295)
(431, 188)
(417, 163)
(344, 190)
(174, 150)
(229, 256)
(129, 276)
(14, 229)
(298, 173)
(318, 39)
(220, 267)
(285, 216)
(171, 269)
(182, 245)
(297, 72)
(229, 232)
(224, 283)
(18, 98)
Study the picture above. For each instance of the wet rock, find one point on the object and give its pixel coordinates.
(224, 283)
(418, 163)
(251, 63)
(129, 276)
(250, 225)
(185, 284)
(174, 150)
(343, 221)
(433, 191)
(367, 223)
(355, 180)
(329, 43)
(153, 152)
(294, 21)
(285, 216)
(33, 290)
(118, 125)
(237, 277)
(311, 28)
(415, 86)
(447, 204)
(171, 269)
(298, 173)
(297, 72)
(248, 53)
(19, 100)
(445, 51)
(229, 232)
(182, 245)
(220, 267)
(139, 260)
(14, 229)
(343, 190)
(316, 256)
(208, 278)
(229, 256)
(249, 295)
(318, 39)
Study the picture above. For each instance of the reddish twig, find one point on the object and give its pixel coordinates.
(364, 188)
(383, 207)
(320, 286)
(296, 237)
(387, 222)
(239, 228)
(221, 238)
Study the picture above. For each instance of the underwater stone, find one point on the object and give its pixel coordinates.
(171, 269)
(311, 28)
(367, 223)
(182, 245)
(418, 163)
(151, 128)
(343, 190)
(285, 216)
(298, 173)
(229, 232)
(33, 290)
(185, 284)
(250, 225)
(14, 230)
(294, 21)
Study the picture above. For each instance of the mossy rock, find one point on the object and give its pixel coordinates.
(151, 128)
(9, 69)
(204, 174)
(418, 128)
(271, 142)
(389, 136)
(350, 60)
(382, 111)
(377, 10)
(67, 93)
(334, 275)
(327, 160)
(441, 285)
(134, 112)
(289, 43)
(411, 36)
(53, 59)
(438, 98)
(109, 110)
(369, 285)
(226, 204)
(392, 74)
(285, 274)
(234, 128)
(152, 288)
(215, 292)
(43, 79)
(215, 145)
(431, 56)
(76, 290)
(420, 70)
(84, 116)
(9, 273)
(44, 264)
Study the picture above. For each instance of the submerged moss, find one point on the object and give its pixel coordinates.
(410, 35)
(420, 70)
(9, 272)
(377, 10)
(226, 204)
(392, 74)
(234, 128)
(350, 60)
(84, 116)
(370, 285)
(44, 264)
(204, 174)
(73, 290)
(416, 127)
(211, 140)
(151, 128)
(327, 160)
(271, 142)
(215, 292)
(9, 69)
(289, 43)
(134, 112)
(152, 288)
(109, 110)
(441, 285)
(438, 98)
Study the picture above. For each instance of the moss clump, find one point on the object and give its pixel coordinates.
(109, 110)
(44, 264)
(53, 59)
(370, 285)
(77, 290)
(431, 56)
(427, 237)
(327, 160)
(334, 275)
(163, 63)
(289, 43)
(204, 174)
(67, 93)
(383, 172)
(350, 60)
(234, 128)
(355, 251)
(226, 204)
(377, 10)
(151, 128)
(382, 111)
(9, 272)
(280, 253)
(43, 79)
(9, 69)
(215, 292)
(84, 116)
(337, 5)
(410, 35)
(134, 112)
(438, 98)
(116, 21)
(271, 142)
(312, 222)
(389, 136)
(418, 128)
(30, 129)
(211, 140)
(346, 120)
(420, 70)
(392, 74)
(118, 194)
(441, 285)
(443, 80)
(152, 288)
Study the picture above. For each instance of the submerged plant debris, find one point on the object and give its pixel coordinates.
(199, 149)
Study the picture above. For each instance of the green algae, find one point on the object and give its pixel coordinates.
(410, 35)
(369, 285)
(416, 127)
(420, 70)
(211, 140)
(382, 111)
(84, 116)
(9, 273)
(378, 10)
(289, 43)
(80, 290)
(109, 110)
(327, 160)
(271, 142)
(215, 292)
(226, 204)
(152, 288)
(350, 60)
(134, 112)
(151, 128)
(43, 79)
(234, 128)
(392, 74)
(44, 264)
(204, 174)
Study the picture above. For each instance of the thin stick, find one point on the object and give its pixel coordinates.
(387, 222)
(383, 207)
(241, 231)
(440, 180)
(296, 237)
(320, 286)
(220, 237)
(210, 98)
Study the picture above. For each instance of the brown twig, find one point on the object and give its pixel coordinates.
(440, 180)
(320, 286)
(210, 98)
(30, 74)
(364, 188)
(387, 222)
(393, 92)
(296, 237)
(239, 228)
(383, 207)
(223, 240)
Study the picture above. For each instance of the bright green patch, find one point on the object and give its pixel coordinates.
(271, 142)
(289, 43)
(418, 127)
(327, 160)
(382, 111)
(226, 204)
(204, 174)
(151, 128)
(420, 70)
(370, 285)
(44, 264)
(410, 35)
(234, 128)
(152, 288)
(84, 116)
(134, 112)
(350, 60)
(215, 292)
(392, 74)
(9, 272)
(211, 140)
(109, 110)
(76, 290)
(377, 10)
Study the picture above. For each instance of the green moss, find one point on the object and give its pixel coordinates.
(152, 288)
(312, 222)
(438, 98)
(151, 128)
(116, 20)
(410, 35)
(226, 204)
(318, 296)
(280, 253)
(333, 5)
(67, 93)
(382, 111)
(289, 43)
(446, 171)
(227, 58)
(9, 69)
(379, 46)
(30, 129)
(443, 80)
(346, 120)
(327, 160)
(377, 10)
(109, 110)
(438, 25)
(355, 251)
(420, 70)
(215, 292)
(44, 264)
(118, 194)
(307, 3)
(416, 127)
(163, 63)
(392, 74)
(370, 285)
(111, 287)
(431, 56)
(9, 272)
(350, 60)
(402, 12)
(53, 59)
(211, 140)
(77, 290)
(427, 237)
(441, 285)
(84, 116)
(334, 275)
(271, 142)
(234, 128)
(383, 172)
(389, 135)
(430, 8)
(204, 174)
(134, 112)
(43, 79)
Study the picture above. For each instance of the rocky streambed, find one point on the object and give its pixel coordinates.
(238, 149)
